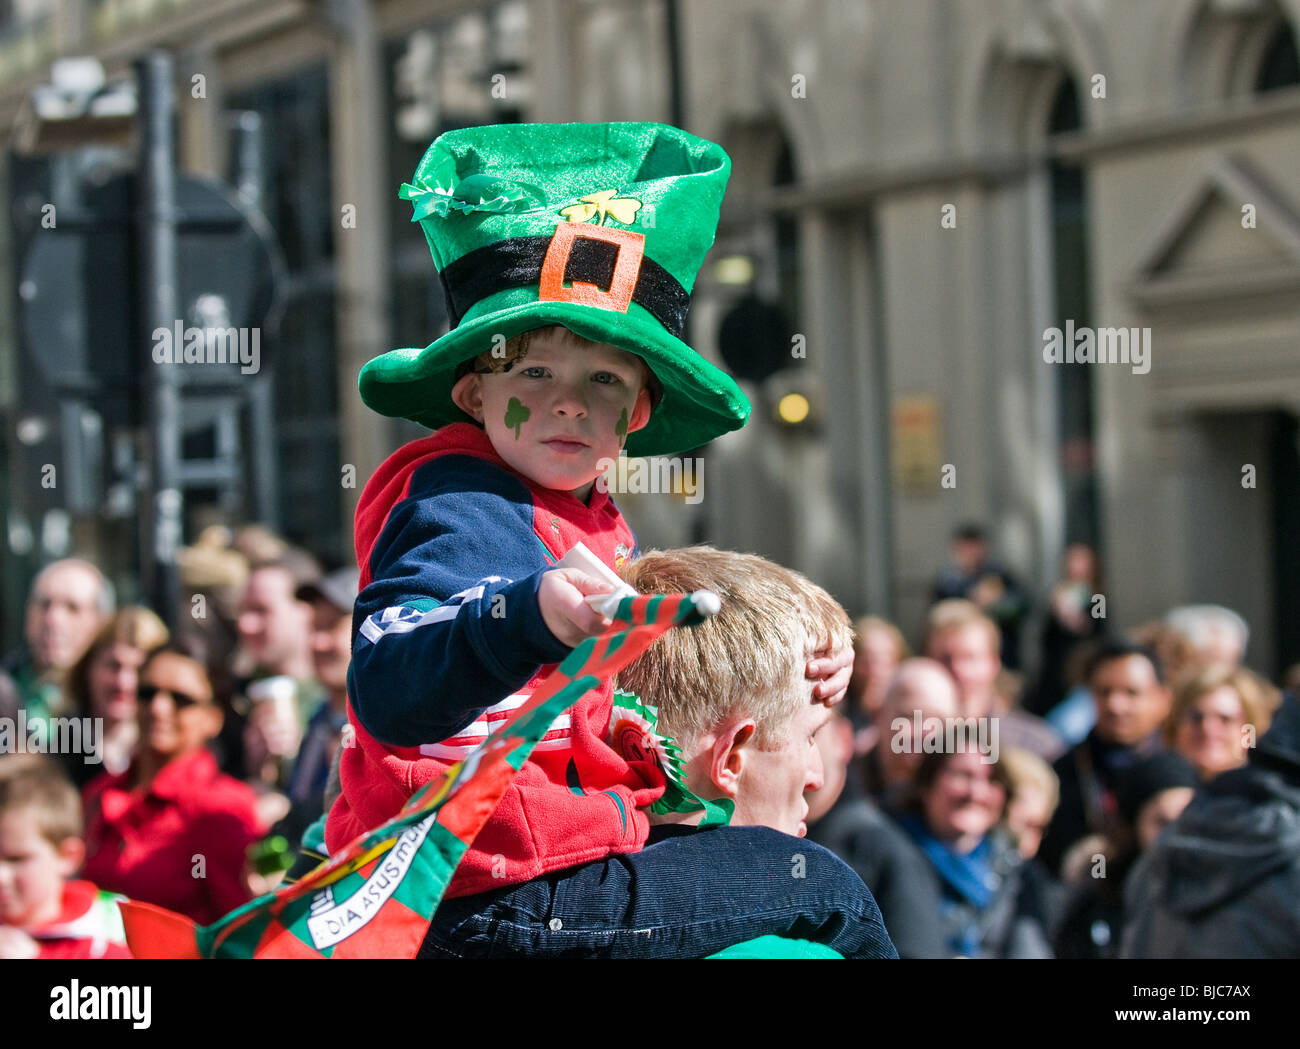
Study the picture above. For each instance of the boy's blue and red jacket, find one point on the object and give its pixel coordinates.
(448, 638)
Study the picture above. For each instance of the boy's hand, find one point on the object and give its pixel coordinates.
(14, 943)
(831, 671)
(564, 611)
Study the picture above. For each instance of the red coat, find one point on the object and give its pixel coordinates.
(444, 530)
(179, 844)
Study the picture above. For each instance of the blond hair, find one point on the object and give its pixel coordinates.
(1027, 769)
(748, 659)
(956, 613)
(35, 783)
(134, 625)
(1259, 699)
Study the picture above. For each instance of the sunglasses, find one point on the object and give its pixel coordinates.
(145, 694)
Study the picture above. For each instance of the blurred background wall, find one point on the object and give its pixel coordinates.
(920, 189)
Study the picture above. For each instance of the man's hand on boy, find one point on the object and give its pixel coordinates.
(831, 671)
(564, 611)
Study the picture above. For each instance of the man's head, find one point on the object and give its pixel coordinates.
(732, 691)
(878, 648)
(40, 838)
(331, 602)
(919, 686)
(1129, 690)
(968, 644)
(68, 603)
(274, 626)
(969, 548)
(1218, 634)
(557, 407)
(1034, 794)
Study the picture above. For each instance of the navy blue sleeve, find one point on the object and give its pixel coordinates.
(450, 623)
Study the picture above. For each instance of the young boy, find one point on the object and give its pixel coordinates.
(566, 253)
(42, 913)
(726, 711)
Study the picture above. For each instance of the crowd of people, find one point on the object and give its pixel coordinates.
(200, 755)
(1035, 838)
(1028, 833)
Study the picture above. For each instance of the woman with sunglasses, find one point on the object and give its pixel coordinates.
(172, 830)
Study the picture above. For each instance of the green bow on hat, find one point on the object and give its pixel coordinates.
(598, 227)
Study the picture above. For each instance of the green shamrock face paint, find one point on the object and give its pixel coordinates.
(517, 414)
(620, 428)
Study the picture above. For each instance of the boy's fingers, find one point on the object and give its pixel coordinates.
(585, 584)
(835, 687)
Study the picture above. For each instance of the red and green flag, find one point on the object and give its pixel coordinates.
(376, 897)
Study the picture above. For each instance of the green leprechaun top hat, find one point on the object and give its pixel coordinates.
(598, 227)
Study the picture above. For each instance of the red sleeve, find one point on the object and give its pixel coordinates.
(222, 831)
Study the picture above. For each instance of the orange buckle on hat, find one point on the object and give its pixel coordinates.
(627, 268)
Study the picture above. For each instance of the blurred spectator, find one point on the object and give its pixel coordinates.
(172, 830)
(841, 818)
(1218, 715)
(1035, 793)
(1178, 656)
(1223, 880)
(1132, 700)
(259, 545)
(878, 649)
(104, 682)
(43, 912)
(331, 601)
(274, 626)
(1151, 795)
(67, 604)
(1069, 623)
(213, 577)
(1073, 718)
(1218, 634)
(966, 642)
(920, 688)
(993, 903)
(971, 575)
(275, 630)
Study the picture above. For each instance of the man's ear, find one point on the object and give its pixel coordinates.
(727, 756)
(467, 395)
(640, 411)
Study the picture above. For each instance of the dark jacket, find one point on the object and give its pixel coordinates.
(1223, 881)
(897, 874)
(1088, 774)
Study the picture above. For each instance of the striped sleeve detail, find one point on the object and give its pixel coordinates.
(461, 745)
(402, 619)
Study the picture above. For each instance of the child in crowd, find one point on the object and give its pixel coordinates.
(43, 912)
(567, 253)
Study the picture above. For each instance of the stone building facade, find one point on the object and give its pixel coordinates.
(926, 188)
